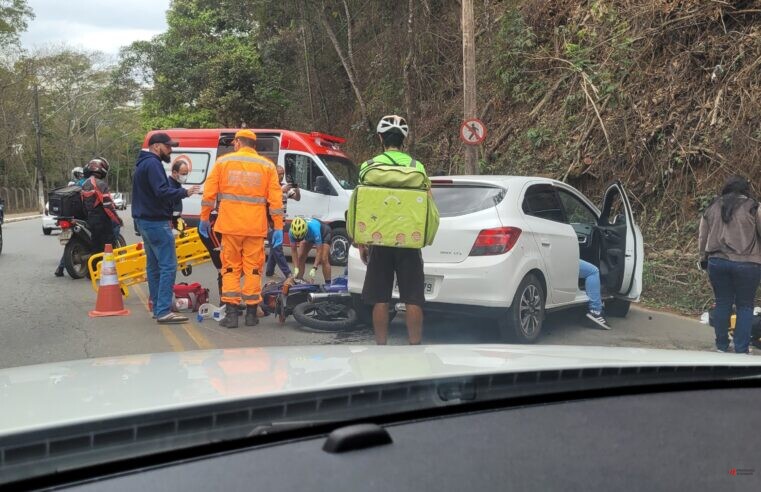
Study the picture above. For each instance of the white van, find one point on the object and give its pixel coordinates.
(313, 161)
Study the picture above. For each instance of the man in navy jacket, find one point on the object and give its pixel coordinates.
(153, 198)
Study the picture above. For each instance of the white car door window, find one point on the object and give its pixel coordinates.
(555, 239)
(584, 222)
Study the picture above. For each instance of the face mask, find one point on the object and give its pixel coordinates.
(182, 178)
(166, 158)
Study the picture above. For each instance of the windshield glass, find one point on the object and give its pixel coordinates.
(453, 200)
(344, 170)
(590, 202)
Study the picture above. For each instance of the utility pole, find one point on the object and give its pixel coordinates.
(38, 143)
(469, 79)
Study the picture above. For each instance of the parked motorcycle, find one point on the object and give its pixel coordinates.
(76, 238)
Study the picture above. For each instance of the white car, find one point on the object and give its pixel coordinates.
(119, 201)
(508, 248)
(49, 223)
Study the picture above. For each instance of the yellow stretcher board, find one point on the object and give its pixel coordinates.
(130, 260)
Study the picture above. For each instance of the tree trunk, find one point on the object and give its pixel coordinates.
(408, 96)
(349, 42)
(307, 68)
(347, 68)
(469, 79)
(323, 106)
(306, 71)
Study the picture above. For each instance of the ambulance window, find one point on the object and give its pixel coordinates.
(199, 165)
(269, 147)
(302, 170)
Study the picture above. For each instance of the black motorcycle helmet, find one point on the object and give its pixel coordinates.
(98, 167)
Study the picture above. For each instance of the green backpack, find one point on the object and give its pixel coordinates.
(392, 207)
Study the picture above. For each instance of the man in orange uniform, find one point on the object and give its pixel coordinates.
(245, 186)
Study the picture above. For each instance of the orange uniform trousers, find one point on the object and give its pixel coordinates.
(242, 256)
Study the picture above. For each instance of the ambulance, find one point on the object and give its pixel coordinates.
(312, 161)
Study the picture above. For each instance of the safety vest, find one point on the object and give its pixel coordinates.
(244, 187)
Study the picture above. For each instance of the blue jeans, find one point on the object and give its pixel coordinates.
(591, 276)
(276, 255)
(161, 262)
(733, 282)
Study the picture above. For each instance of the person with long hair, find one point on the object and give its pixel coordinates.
(730, 248)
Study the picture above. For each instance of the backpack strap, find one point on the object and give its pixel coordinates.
(391, 159)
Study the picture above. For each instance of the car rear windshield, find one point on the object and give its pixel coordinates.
(462, 199)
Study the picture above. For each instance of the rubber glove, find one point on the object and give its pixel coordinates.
(203, 228)
(277, 239)
(312, 273)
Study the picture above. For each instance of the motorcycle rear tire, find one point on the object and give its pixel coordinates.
(80, 249)
(303, 313)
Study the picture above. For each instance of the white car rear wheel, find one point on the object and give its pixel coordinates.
(525, 318)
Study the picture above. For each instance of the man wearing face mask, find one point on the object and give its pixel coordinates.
(179, 177)
(153, 199)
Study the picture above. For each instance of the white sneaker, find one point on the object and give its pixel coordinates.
(598, 319)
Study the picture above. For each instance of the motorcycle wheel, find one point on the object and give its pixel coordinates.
(74, 258)
(325, 317)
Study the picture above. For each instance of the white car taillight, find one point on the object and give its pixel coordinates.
(495, 241)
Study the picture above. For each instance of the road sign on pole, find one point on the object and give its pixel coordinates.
(472, 131)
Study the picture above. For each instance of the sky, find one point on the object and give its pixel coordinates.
(93, 25)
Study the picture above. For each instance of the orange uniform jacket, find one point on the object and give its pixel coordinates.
(244, 183)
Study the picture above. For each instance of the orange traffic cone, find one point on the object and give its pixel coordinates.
(109, 301)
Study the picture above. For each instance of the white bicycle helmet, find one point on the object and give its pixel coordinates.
(393, 122)
(77, 173)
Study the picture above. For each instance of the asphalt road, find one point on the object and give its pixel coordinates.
(44, 318)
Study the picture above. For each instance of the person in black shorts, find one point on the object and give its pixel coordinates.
(383, 262)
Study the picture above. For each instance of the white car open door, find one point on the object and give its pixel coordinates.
(621, 249)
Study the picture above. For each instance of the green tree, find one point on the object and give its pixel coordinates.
(14, 18)
(206, 70)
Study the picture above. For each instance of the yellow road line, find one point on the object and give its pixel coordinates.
(167, 332)
(198, 337)
(174, 342)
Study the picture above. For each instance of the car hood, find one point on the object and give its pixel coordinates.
(65, 393)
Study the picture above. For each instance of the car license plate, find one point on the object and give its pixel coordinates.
(65, 236)
(430, 282)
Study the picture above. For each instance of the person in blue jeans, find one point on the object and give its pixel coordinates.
(153, 199)
(591, 276)
(730, 248)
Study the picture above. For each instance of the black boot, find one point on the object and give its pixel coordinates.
(58, 272)
(251, 318)
(231, 316)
